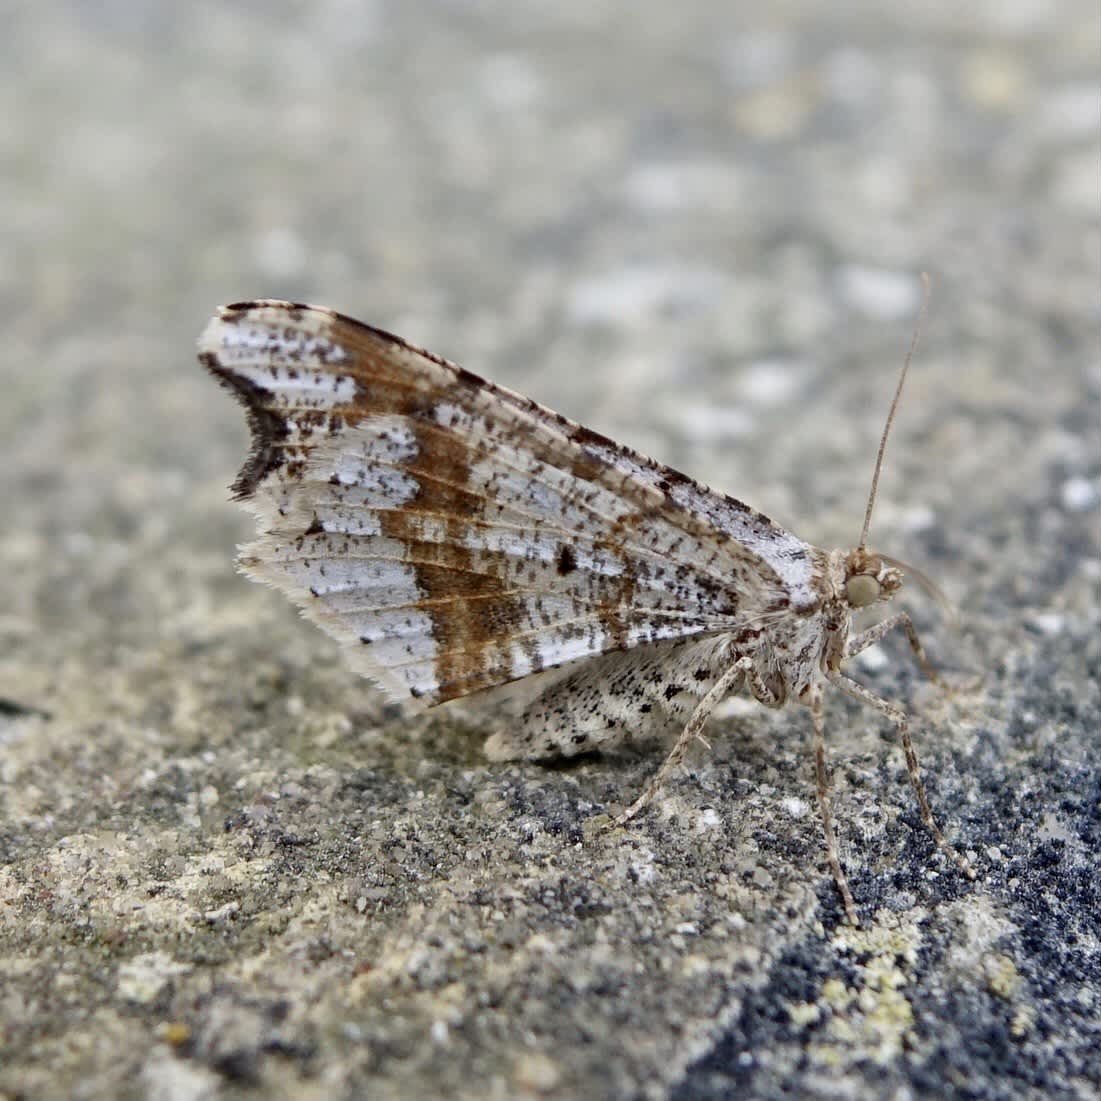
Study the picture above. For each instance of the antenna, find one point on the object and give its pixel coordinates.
(894, 408)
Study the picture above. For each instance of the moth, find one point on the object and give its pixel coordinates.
(455, 536)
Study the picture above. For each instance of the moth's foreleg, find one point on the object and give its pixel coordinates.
(899, 718)
(872, 635)
(721, 688)
(822, 784)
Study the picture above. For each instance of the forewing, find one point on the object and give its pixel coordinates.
(457, 536)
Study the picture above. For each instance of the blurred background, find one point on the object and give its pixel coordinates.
(699, 227)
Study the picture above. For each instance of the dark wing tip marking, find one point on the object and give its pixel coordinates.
(266, 428)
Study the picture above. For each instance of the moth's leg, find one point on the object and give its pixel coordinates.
(899, 718)
(872, 635)
(762, 691)
(822, 783)
(722, 687)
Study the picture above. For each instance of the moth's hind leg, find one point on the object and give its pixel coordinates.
(822, 786)
(899, 718)
(726, 684)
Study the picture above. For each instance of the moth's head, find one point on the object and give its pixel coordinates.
(869, 579)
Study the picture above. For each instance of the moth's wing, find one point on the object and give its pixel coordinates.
(455, 535)
(626, 695)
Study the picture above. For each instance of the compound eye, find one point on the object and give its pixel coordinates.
(861, 590)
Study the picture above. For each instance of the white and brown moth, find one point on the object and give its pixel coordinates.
(455, 537)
